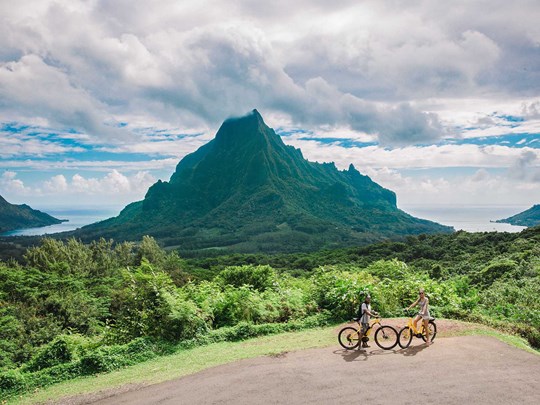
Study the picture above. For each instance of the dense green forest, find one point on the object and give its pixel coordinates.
(530, 217)
(69, 309)
(22, 216)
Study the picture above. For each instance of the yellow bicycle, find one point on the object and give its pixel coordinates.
(407, 332)
(386, 337)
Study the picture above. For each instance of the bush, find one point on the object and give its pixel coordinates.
(341, 289)
(12, 382)
(56, 352)
(260, 278)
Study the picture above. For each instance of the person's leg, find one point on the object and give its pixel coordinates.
(426, 327)
(415, 322)
(365, 328)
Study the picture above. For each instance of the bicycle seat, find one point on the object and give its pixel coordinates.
(431, 318)
(356, 319)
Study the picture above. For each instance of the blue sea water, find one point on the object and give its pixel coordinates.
(470, 218)
(77, 218)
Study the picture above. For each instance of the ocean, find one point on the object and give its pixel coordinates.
(470, 218)
(76, 219)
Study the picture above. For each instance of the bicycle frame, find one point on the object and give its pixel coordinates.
(350, 337)
(372, 323)
(410, 325)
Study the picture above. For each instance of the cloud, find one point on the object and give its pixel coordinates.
(19, 144)
(112, 183)
(114, 186)
(531, 110)
(89, 71)
(9, 184)
(91, 165)
(482, 187)
(413, 157)
(56, 184)
(30, 87)
(527, 167)
(398, 74)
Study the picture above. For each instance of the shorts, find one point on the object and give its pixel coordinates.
(425, 317)
(365, 327)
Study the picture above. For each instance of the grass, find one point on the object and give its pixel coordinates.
(184, 363)
(191, 361)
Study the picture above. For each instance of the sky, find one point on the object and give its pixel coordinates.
(437, 101)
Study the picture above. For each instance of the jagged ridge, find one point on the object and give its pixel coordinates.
(248, 191)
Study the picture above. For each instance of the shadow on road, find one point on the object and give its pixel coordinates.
(362, 354)
(412, 350)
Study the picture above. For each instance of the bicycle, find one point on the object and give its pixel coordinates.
(386, 337)
(406, 333)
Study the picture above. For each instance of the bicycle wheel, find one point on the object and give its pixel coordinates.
(386, 337)
(349, 338)
(432, 331)
(405, 337)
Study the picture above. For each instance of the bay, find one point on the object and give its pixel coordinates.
(77, 218)
(470, 218)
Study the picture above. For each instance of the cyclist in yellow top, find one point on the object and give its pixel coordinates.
(423, 313)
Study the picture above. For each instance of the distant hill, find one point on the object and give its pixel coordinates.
(22, 216)
(247, 191)
(530, 217)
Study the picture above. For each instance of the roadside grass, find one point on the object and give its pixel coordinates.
(511, 340)
(190, 361)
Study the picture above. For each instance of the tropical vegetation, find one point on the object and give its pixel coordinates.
(530, 217)
(14, 216)
(70, 309)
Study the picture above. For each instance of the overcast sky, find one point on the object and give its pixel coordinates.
(438, 101)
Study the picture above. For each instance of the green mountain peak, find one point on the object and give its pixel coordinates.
(246, 190)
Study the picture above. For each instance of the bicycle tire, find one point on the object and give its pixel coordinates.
(432, 331)
(386, 337)
(405, 336)
(349, 338)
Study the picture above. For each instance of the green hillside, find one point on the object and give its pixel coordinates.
(530, 217)
(247, 191)
(72, 309)
(22, 216)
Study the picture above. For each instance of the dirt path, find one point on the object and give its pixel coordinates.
(454, 370)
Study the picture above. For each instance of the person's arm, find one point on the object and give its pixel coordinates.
(413, 304)
(371, 313)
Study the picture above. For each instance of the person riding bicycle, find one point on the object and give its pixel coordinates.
(423, 312)
(365, 315)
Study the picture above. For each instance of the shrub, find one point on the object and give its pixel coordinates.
(341, 289)
(56, 352)
(12, 382)
(260, 278)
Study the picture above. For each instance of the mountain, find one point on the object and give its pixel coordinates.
(530, 217)
(247, 191)
(22, 216)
